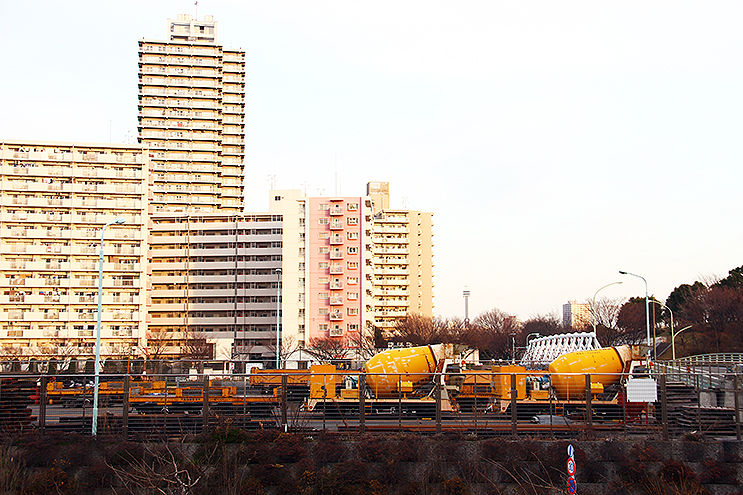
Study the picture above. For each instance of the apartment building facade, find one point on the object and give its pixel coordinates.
(191, 116)
(576, 315)
(214, 286)
(402, 266)
(56, 197)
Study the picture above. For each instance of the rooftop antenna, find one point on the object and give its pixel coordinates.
(272, 181)
(304, 187)
(336, 174)
(196, 8)
(404, 202)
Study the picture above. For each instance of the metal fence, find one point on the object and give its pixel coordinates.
(482, 403)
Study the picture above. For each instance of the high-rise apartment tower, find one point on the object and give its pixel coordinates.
(191, 117)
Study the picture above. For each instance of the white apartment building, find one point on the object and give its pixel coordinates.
(56, 197)
(191, 116)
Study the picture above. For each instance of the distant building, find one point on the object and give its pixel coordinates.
(191, 116)
(56, 197)
(576, 315)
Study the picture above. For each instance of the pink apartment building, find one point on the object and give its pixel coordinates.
(335, 262)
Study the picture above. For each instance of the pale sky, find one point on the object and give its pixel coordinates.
(556, 143)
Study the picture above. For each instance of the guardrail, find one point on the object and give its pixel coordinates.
(480, 403)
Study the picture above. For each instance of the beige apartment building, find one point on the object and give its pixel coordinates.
(576, 315)
(56, 197)
(403, 266)
(191, 116)
(214, 286)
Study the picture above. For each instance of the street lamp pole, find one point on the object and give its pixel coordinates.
(670, 313)
(647, 306)
(94, 430)
(673, 340)
(278, 318)
(593, 309)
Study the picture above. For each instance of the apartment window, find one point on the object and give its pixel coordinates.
(322, 295)
(353, 235)
(353, 206)
(353, 295)
(353, 265)
(323, 265)
(323, 311)
(353, 250)
(323, 327)
(323, 221)
(353, 221)
(322, 280)
(323, 206)
(323, 250)
(323, 236)
(353, 327)
(353, 280)
(353, 311)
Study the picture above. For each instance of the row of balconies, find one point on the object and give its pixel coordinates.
(224, 292)
(57, 214)
(193, 265)
(179, 60)
(63, 316)
(179, 124)
(70, 233)
(127, 298)
(180, 71)
(67, 283)
(216, 279)
(123, 157)
(69, 187)
(165, 47)
(188, 93)
(35, 249)
(181, 134)
(391, 302)
(52, 171)
(176, 103)
(66, 266)
(231, 306)
(390, 240)
(214, 320)
(196, 82)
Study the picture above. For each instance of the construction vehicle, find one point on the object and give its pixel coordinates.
(396, 381)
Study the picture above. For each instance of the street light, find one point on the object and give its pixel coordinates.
(647, 307)
(278, 318)
(94, 430)
(593, 309)
(673, 339)
(670, 313)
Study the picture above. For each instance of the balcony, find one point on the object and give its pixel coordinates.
(336, 210)
(336, 224)
(336, 254)
(336, 301)
(336, 239)
(336, 316)
(336, 269)
(336, 284)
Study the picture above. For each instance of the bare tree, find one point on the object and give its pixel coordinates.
(492, 332)
(329, 348)
(163, 469)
